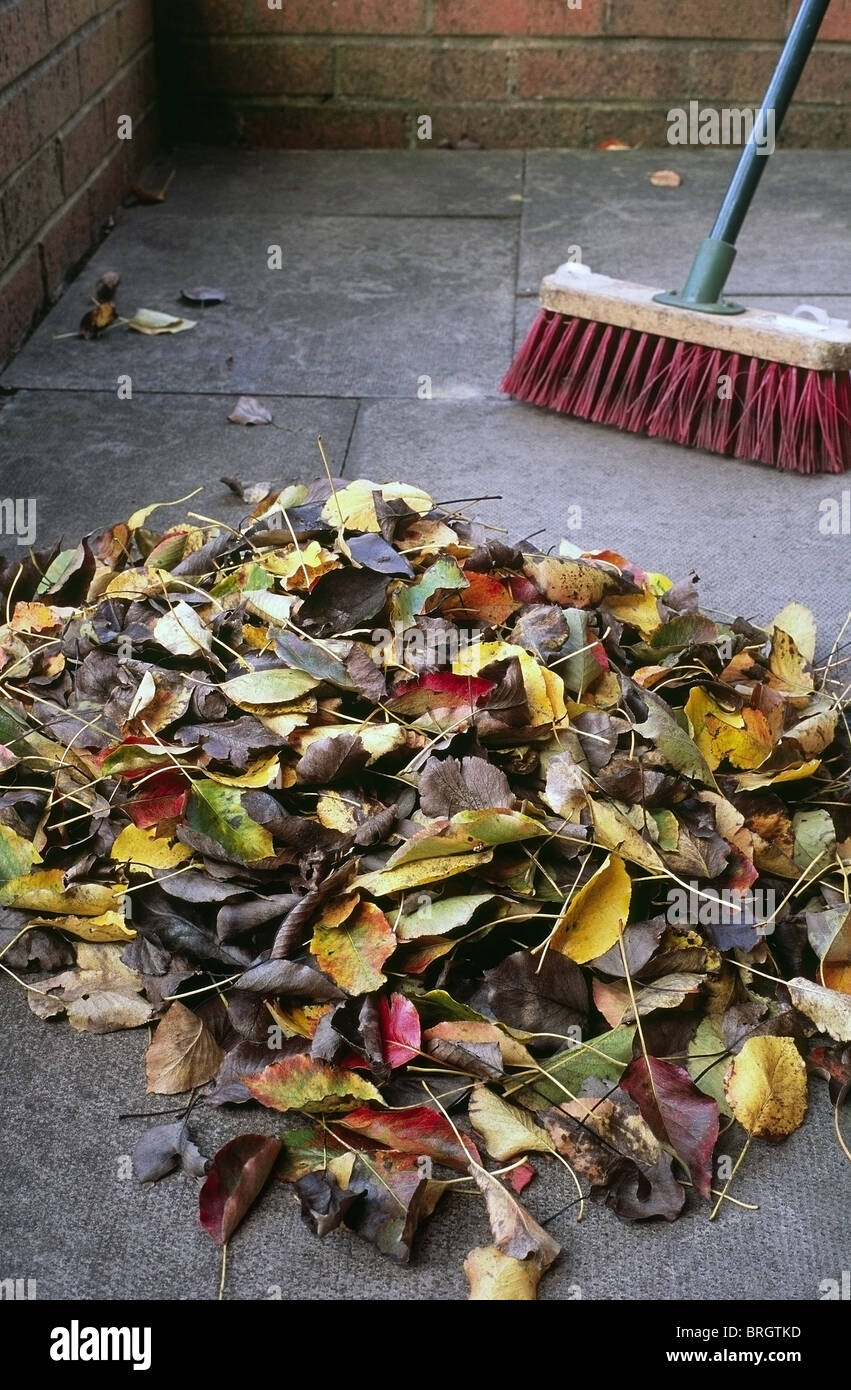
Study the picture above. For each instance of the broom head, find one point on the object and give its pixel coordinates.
(758, 385)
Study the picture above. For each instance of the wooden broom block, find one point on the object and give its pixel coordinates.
(755, 333)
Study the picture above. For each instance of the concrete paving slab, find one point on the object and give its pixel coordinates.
(72, 1222)
(90, 459)
(752, 533)
(341, 183)
(361, 306)
(795, 240)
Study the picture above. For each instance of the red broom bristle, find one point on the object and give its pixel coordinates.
(792, 418)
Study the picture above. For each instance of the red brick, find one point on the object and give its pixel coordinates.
(817, 127)
(52, 96)
(25, 39)
(424, 73)
(64, 17)
(144, 145)
(22, 296)
(513, 126)
(255, 68)
(504, 17)
(130, 95)
(638, 124)
(107, 190)
(65, 241)
(837, 22)
(14, 134)
(336, 17)
(717, 19)
(322, 127)
(135, 27)
(825, 78)
(200, 16)
(99, 57)
(31, 197)
(733, 75)
(587, 69)
(84, 145)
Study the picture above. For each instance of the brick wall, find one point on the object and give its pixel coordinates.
(350, 73)
(68, 70)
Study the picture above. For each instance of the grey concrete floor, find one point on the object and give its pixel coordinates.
(397, 267)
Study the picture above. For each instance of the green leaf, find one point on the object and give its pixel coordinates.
(437, 918)
(573, 1065)
(445, 574)
(674, 743)
(17, 855)
(217, 812)
(815, 836)
(276, 687)
(466, 831)
(708, 1076)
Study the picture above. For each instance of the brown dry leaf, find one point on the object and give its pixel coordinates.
(515, 1232)
(184, 1054)
(101, 995)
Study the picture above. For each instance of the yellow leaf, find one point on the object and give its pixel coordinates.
(139, 584)
(744, 738)
(591, 922)
(750, 781)
(506, 1129)
(480, 654)
(788, 666)
(766, 1087)
(110, 926)
(45, 891)
(261, 774)
(799, 624)
(377, 739)
(613, 831)
(354, 503)
(146, 849)
(299, 569)
(418, 871)
(495, 1277)
(555, 692)
(641, 610)
(141, 516)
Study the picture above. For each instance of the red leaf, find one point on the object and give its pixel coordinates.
(439, 689)
(399, 1023)
(523, 589)
(164, 798)
(236, 1178)
(486, 598)
(417, 1130)
(521, 1176)
(677, 1113)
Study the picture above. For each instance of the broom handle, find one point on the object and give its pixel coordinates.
(713, 262)
(781, 89)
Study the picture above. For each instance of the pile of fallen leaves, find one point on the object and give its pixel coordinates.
(429, 843)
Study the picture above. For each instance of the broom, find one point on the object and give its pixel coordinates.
(690, 366)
